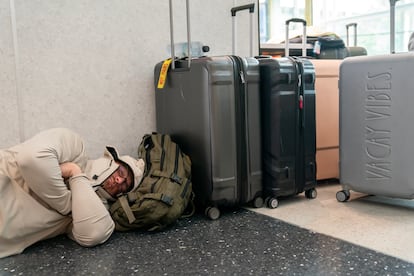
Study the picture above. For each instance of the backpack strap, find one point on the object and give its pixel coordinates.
(160, 197)
(125, 205)
(123, 200)
(190, 209)
(173, 176)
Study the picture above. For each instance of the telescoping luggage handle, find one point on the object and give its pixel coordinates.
(392, 26)
(354, 25)
(234, 10)
(187, 7)
(296, 20)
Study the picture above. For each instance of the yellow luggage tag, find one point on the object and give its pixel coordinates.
(163, 73)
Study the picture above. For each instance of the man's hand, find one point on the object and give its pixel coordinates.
(69, 169)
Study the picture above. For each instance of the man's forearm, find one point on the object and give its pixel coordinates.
(92, 223)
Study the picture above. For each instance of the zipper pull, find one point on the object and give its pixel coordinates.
(242, 77)
(300, 102)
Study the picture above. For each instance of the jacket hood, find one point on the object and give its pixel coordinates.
(100, 169)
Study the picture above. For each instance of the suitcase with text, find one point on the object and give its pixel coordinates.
(376, 152)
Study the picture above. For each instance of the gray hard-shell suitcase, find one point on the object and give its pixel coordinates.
(376, 152)
(210, 107)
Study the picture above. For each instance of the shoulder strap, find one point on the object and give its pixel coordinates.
(125, 205)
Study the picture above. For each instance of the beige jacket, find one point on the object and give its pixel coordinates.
(35, 202)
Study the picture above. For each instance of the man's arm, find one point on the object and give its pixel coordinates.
(39, 158)
(92, 223)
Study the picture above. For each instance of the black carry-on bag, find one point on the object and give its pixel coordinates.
(288, 126)
(211, 107)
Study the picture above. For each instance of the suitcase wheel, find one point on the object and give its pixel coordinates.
(272, 202)
(212, 213)
(311, 193)
(258, 202)
(343, 195)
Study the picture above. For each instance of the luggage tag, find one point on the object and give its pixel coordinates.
(163, 73)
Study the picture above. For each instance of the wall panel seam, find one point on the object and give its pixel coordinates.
(17, 72)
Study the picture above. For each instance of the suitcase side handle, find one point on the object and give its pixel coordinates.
(287, 172)
(295, 20)
(187, 7)
(313, 168)
(234, 10)
(354, 25)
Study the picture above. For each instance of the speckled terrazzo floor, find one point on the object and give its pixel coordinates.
(241, 242)
(382, 224)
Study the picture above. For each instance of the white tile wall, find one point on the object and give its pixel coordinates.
(88, 65)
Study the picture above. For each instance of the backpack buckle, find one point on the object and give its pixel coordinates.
(167, 199)
(174, 177)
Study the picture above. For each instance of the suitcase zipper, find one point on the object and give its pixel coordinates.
(300, 160)
(240, 100)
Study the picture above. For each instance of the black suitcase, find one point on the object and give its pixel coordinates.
(211, 107)
(287, 88)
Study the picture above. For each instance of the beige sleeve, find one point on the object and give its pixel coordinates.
(42, 174)
(92, 223)
(39, 158)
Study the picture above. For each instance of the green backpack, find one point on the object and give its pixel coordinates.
(165, 190)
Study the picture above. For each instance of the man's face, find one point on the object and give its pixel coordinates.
(118, 182)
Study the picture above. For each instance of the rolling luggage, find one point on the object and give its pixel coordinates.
(324, 47)
(210, 107)
(327, 112)
(288, 126)
(376, 151)
(321, 46)
(354, 50)
(327, 118)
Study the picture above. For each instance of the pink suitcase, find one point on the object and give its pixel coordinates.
(327, 118)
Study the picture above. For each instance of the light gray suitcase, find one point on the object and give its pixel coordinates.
(375, 113)
(210, 107)
(376, 151)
